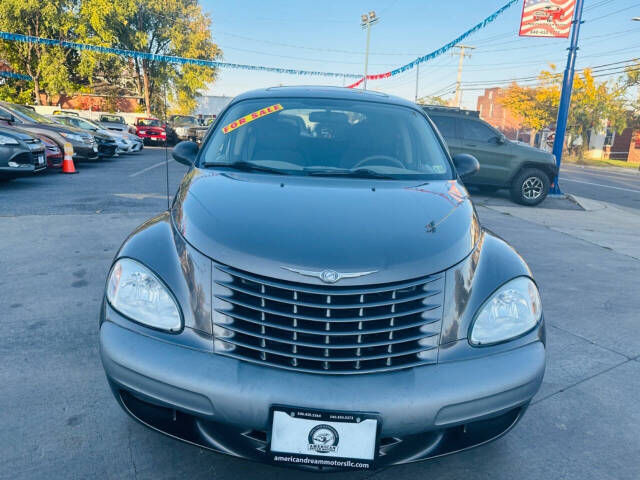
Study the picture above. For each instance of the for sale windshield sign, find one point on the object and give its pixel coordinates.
(547, 18)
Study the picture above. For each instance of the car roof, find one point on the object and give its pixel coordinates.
(452, 111)
(329, 92)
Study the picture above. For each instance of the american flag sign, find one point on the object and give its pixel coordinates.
(547, 18)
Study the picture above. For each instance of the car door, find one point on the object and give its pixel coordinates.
(488, 145)
(449, 129)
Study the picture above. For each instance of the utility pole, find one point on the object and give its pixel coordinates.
(462, 49)
(565, 98)
(417, 78)
(367, 21)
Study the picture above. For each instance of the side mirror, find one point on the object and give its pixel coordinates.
(185, 153)
(466, 165)
(500, 139)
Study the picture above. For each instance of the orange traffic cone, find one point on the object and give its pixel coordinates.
(67, 163)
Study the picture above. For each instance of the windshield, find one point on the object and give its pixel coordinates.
(327, 137)
(184, 121)
(30, 115)
(111, 119)
(149, 122)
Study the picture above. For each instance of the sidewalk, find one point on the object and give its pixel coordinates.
(599, 223)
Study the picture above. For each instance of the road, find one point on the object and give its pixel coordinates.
(604, 184)
(58, 419)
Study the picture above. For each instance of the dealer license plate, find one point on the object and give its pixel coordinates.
(321, 438)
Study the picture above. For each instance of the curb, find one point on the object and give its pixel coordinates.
(586, 204)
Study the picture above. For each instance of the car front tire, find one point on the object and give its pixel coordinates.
(530, 187)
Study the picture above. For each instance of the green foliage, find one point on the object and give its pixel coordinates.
(169, 27)
(432, 100)
(594, 105)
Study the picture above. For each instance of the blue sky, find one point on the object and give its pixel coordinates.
(308, 35)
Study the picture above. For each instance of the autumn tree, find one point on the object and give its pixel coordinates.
(167, 27)
(594, 104)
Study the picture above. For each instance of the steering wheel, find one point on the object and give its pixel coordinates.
(375, 159)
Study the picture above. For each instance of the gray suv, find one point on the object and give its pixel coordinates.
(321, 294)
(526, 171)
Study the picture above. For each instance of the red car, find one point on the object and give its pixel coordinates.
(52, 151)
(549, 14)
(151, 130)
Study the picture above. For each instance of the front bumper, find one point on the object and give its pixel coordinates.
(223, 404)
(84, 151)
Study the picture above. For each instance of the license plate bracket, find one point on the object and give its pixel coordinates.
(309, 437)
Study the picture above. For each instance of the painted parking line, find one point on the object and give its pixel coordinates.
(147, 169)
(600, 185)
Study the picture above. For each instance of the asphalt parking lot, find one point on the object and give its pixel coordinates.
(58, 235)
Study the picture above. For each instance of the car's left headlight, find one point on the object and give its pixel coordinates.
(136, 292)
(512, 310)
(72, 136)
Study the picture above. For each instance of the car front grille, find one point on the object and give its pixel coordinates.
(327, 329)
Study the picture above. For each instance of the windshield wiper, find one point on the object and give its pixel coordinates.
(246, 167)
(357, 173)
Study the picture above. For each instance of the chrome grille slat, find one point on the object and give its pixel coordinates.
(335, 346)
(323, 333)
(335, 359)
(327, 290)
(272, 311)
(426, 294)
(327, 329)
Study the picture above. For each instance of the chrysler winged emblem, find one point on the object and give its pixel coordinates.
(329, 276)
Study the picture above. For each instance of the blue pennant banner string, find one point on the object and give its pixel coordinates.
(453, 43)
(18, 76)
(16, 37)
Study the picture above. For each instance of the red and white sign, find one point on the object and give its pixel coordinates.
(547, 18)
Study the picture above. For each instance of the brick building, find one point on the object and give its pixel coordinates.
(492, 112)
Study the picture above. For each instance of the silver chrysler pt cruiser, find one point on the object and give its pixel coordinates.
(321, 294)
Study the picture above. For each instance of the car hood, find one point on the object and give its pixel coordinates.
(151, 129)
(261, 223)
(16, 133)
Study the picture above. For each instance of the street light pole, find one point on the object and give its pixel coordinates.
(367, 21)
(417, 80)
(565, 98)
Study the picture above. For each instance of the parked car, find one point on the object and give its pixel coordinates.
(526, 171)
(185, 127)
(21, 154)
(53, 153)
(115, 122)
(151, 130)
(322, 297)
(107, 142)
(124, 141)
(84, 144)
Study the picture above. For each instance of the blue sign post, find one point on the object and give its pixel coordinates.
(565, 98)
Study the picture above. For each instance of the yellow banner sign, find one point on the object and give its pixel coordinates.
(251, 117)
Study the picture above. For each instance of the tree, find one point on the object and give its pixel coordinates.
(168, 27)
(432, 100)
(536, 106)
(50, 67)
(594, 105)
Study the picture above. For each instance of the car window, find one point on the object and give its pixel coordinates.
(477, 131)
(446, 125)
(29, 115)
(149, 122)
(302, 135)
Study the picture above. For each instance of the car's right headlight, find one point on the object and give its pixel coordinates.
(136, 292)
(6, 140)
(512, 310)
(72, 136)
